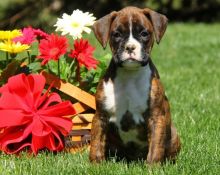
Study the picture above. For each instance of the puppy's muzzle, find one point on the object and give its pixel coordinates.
(129, 48)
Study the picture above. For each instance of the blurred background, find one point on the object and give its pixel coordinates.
(44, 13)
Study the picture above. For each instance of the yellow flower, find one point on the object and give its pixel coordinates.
(12, 47)
(8, 35)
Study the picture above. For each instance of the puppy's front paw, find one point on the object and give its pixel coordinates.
(96, 157)
(153, 159)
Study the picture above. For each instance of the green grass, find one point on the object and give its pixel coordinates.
(188, 60)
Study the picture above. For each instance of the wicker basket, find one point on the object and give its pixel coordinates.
(79, 137)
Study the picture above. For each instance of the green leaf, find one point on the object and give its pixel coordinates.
(34, 67)
(52, 65)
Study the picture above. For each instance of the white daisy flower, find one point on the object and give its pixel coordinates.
(75, 24)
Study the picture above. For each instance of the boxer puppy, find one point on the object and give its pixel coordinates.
(132, 119)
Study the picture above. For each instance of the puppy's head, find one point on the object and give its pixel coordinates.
(130, 32)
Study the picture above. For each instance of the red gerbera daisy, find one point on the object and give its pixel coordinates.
(83, 52)
(52, 48)
(30, 119)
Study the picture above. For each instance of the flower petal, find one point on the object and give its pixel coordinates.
(83, 52)
(52, 48)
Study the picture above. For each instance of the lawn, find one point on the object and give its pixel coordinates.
(188, 60)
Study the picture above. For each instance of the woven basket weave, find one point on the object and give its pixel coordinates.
(79, 137)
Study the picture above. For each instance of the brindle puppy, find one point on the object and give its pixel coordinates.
(132, 119)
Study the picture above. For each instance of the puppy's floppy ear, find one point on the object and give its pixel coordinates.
(102, 27)
(158, 21)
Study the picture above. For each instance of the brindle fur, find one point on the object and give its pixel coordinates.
(158, 131)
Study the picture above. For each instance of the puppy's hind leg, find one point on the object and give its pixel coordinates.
(98, 138)
(173, 146)
(157, 141)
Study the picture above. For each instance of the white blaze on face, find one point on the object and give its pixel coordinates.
(129, 56)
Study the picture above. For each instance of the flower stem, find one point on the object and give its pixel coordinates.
(29, 57)
(58, 68)
(7, 58)
(48, 68)
(78, 77)
(70, 67)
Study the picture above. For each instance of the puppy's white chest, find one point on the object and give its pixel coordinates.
(127, 96)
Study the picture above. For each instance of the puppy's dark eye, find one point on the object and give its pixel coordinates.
(116, 35)
(144, 34)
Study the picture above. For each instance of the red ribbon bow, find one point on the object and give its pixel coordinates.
(30, 119)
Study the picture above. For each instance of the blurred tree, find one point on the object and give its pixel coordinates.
(188, 10)
(43, 13)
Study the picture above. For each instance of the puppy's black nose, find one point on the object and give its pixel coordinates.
(130, 48)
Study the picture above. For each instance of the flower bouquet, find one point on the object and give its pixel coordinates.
(32, 118)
